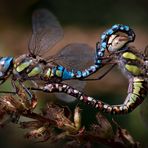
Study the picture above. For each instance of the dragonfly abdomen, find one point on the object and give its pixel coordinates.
(136, 94)
(58, 72)
(65, 74)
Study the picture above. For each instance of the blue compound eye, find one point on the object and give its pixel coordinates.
(5, 64)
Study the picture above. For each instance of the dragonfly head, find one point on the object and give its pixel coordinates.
(5, 66)
(117, 41)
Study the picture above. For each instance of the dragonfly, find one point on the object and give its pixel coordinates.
(36, 67)
(144, 106)
(133, 64)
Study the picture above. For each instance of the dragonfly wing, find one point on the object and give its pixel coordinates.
(144, 112)
(46, 32)
(75, 56)
(144, 105)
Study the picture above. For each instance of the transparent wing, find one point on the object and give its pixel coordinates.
(144, 112)
(46, 32)
(75, 56)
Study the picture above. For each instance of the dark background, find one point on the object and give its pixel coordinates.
(82, 21)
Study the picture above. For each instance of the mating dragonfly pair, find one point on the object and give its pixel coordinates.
(47, 75)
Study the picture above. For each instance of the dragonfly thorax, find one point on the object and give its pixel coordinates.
(130, 63)
(29, 68)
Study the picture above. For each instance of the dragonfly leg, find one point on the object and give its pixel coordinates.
(131, 101)
(8, 92)
(15, 107)
(31, 96)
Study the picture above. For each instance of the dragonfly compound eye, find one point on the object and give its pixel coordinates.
(5, 64)
(116, 42)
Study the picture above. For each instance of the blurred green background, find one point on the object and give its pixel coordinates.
(82, 21)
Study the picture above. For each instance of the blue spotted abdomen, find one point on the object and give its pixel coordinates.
(58, 72)
(65, 74)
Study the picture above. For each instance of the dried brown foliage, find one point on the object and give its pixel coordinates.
(56, 123)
